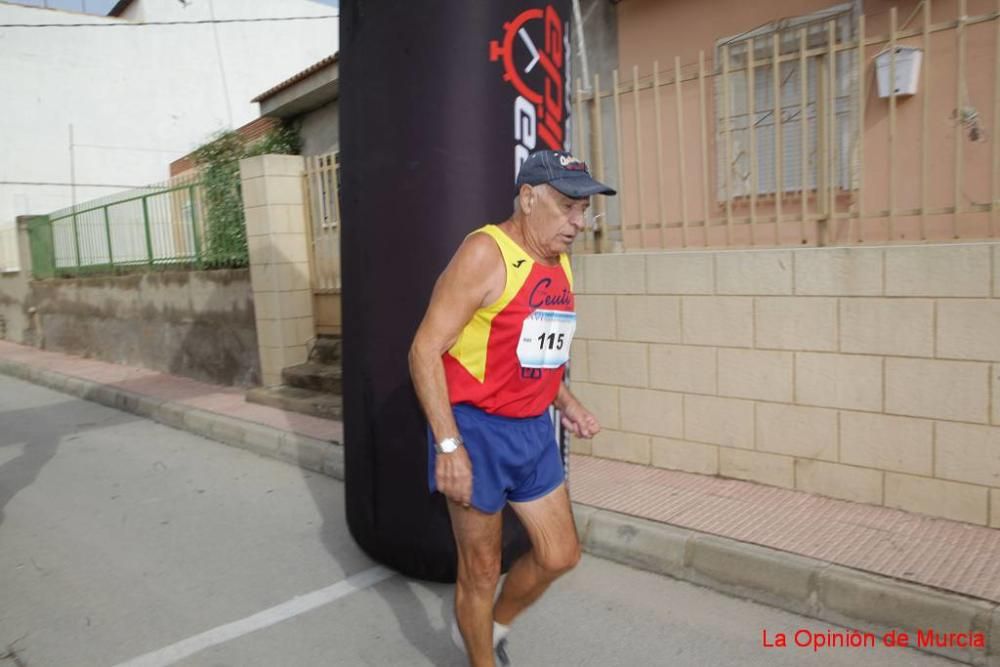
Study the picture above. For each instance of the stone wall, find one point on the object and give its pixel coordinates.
(868, 374)
(198, 324)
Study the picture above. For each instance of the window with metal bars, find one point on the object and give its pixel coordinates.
(803, 105)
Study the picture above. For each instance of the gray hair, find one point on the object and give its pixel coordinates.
(517, 197)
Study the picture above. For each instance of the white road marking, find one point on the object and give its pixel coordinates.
(282, 612)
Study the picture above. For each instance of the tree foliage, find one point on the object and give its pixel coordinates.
(219, 169)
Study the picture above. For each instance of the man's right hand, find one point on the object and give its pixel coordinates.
(453, 475)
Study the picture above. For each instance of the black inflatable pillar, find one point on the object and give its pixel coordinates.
(440, 100)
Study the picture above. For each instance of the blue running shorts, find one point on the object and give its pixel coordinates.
(512, 459)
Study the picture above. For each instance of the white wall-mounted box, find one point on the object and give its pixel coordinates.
(908, 59)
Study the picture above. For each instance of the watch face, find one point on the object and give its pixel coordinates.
(448, 445)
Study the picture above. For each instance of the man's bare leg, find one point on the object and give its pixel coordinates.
(555, 550)
(478, 538)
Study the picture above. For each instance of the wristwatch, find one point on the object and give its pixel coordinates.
(448, 445)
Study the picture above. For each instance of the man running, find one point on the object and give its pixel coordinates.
(487, 362)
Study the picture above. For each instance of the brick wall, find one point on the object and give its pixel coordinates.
(250, 132)
(869, 374)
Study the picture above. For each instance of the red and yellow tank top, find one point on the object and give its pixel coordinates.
(510, 358)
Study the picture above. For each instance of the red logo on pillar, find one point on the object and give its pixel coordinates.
(533, 53)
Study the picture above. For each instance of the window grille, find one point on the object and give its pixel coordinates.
(739, 178)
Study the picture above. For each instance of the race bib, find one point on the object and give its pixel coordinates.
(545, 338)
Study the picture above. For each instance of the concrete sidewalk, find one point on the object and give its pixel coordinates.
(865, 567)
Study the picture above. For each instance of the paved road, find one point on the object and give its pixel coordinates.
(126, 542)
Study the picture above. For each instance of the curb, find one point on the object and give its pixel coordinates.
(802, 585)
(324, 457)
(805, 586)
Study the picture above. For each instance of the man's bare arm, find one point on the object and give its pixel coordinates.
(564, 397)
(474, 278)
(464, 286)
(575, 417)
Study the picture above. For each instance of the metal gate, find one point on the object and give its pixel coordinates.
(322, 196)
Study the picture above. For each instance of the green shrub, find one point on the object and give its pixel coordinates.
(219, 171)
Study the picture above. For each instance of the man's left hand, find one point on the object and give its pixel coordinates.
(580, 421)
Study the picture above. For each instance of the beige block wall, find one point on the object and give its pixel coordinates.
(995, 391)
(686, 456)
(966, 329)
(867, 374)
(862, 485)
(279, 261)
(795, 323)
(720, 421)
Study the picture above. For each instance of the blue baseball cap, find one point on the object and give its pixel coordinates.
(563, 172)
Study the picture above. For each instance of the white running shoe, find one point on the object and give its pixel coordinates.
(499, 640)
(501, 652)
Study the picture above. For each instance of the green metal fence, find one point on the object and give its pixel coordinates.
(157, 226)
(42, 249)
